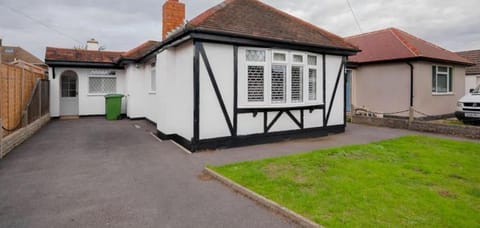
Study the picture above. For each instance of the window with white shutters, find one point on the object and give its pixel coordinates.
(312, 77)
(102, 85)
(312, 84)
(279, 78)
(256, 79)
(297, 84)
(279, 73)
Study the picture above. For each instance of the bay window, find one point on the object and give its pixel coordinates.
(278, 78)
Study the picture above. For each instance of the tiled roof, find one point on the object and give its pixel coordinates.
(474, 56)
(78, 55)
(254, 18)
(10, 54)
(141, 50)
(394, 44)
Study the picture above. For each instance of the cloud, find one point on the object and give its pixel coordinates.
(121, 25)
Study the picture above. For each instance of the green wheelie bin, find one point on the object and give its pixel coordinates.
(113, 106)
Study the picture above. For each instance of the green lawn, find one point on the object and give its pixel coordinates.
(408, 181)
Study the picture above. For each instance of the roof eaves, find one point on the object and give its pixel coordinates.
(416, 58)
(353, 49)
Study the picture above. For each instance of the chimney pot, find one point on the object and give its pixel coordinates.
(92, 45)
(173, 16)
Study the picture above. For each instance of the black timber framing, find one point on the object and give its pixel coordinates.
(235, 90)
(262, 138)
(235, 140)
(196, 96)
(332, 100)
(215, 87)
(254, 139)
(345, 77)
(324, 85)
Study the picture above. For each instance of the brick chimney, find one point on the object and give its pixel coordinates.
(173, 16)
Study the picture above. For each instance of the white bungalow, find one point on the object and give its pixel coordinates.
(240, 73)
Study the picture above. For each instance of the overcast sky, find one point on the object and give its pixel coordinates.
(121, 24)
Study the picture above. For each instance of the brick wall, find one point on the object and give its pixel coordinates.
(472, 132)
(11, 141)
(173, 16)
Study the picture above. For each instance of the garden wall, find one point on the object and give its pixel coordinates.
(472, 132)
(11, 141)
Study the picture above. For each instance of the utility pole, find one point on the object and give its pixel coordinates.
(1, 50)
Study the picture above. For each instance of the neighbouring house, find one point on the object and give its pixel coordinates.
(240, 73)
(396, 71)
(472, 74)
(16, 55)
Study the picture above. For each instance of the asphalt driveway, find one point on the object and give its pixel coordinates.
(94, 173)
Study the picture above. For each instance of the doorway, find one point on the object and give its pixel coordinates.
(69, 94)
(349, 90)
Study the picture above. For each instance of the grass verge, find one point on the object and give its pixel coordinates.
(408, 181)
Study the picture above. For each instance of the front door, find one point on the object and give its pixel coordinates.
(69, 94)
(349, 90)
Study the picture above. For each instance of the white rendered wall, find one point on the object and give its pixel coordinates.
(212, 120)
(54, 92)
(140, 98)
(174, 103)
(150, 97)
(88, 104)
(337, 115)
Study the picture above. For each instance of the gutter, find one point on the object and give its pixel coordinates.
(82, 64)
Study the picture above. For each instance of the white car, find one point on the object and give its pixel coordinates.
(468, 107)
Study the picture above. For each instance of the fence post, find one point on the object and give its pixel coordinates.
(39, 98)
(25, 118)
(411, 113)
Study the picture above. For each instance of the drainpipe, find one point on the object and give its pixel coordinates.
(411, 111)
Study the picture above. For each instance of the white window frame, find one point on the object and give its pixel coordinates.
(304, 68)
(287, 69)
(316, 68)
(267, 102)
(449, 74)
(266, 78)
(152, 82)
(102, 76)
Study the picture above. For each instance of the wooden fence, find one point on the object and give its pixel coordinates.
(24, 96)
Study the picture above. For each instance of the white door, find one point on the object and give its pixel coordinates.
(69, 94)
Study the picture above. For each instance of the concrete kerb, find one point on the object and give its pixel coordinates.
(283, 211)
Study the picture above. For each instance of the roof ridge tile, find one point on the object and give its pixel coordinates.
(405, 43)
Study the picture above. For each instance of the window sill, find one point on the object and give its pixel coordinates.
(443, 94)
